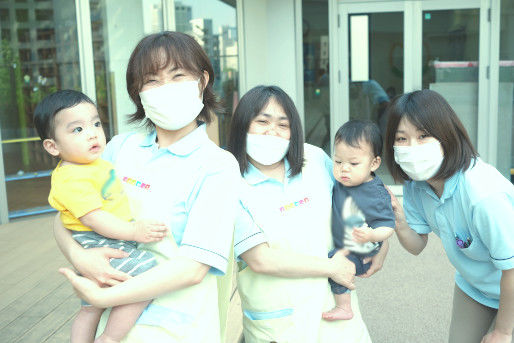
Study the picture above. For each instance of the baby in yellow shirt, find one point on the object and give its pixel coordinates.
(92, 203)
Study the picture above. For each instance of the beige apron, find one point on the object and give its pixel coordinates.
(189, 315)
(289, 310)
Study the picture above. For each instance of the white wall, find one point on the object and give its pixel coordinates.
(269, 51)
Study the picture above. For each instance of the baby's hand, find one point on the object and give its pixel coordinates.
(362, 234)
(146, 231)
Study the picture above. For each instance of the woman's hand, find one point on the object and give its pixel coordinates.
(377, 261)
(399, 214)
(344, 269)
(497, 337)
(84, 288)
(94, 264)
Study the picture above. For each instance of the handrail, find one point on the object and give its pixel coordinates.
(21, 140)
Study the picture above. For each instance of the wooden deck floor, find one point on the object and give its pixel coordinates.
(36, 303)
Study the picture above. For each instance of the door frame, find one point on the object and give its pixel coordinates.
(488, 55)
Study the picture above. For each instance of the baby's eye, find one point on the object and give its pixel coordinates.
(77, 129)
(337, 162)
(98, 124)
(354, 163)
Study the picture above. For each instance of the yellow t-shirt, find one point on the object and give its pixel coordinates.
(79, 189)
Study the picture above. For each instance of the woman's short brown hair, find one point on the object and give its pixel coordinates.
(180, 50)
(430, 112)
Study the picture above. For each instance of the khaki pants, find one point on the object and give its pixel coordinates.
(470, 320)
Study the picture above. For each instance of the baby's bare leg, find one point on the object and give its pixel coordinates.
(83, 329)
(121, 320)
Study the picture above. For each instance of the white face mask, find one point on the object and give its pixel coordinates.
(173, 105)
(266, 149)
(420, 162)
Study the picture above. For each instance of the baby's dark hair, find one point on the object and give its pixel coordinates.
(47, 109)
(355, 131)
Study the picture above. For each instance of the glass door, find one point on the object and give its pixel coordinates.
(373, 46)
(451, 57)
(38, 55)
(388, 48)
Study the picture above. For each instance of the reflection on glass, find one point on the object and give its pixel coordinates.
(505, 159)
(315, 73)
(38, 55)
(213, 24)
(117, 29)
(370, 97)
(115, 32)
(450, 61)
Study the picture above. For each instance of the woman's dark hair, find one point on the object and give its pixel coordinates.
(47, 109)
(180, 50)
(429, 111)
(356, 131)
(250, 105)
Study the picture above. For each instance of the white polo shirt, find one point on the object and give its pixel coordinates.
(476, 208)
(192, 186)
(278, 207)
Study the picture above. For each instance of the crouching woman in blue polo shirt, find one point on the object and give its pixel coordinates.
(282, 233)
(450, 191)
(173, 173)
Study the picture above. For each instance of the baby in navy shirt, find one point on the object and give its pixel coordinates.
(362, 215)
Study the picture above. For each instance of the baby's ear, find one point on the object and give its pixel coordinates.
(376, 163)
(51, 147)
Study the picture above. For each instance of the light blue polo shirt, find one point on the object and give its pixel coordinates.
(192, 186)
(277, 206)
(476, 208)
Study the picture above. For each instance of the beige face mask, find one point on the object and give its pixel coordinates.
(172, 106)
(420, 162)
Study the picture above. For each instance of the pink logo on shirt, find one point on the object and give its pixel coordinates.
(294, 204)
(136, 183)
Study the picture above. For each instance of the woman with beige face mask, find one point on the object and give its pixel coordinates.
(173, 173)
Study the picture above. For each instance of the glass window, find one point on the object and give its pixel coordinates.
(450, 61)
(44, 14)
(23, 35)
(115, 32)
(376, 68)
(316, 90)
(505, 159)
(4, 14)
(211, 22)
(28, 72)
(22, 15)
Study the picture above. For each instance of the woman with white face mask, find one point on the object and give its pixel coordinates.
(282, 233)
(468, 204)
(173, 173)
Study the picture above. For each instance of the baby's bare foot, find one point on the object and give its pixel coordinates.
(339, 313)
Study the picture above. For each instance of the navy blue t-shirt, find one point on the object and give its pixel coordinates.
(371, 198)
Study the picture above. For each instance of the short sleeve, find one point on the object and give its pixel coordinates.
(77, 195)
(493, 219)
(413, 210)
(247, 233)
(210, 226)
(383, 215)
(329, 166)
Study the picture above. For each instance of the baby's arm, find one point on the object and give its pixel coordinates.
(366, 234)
(108, 225)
